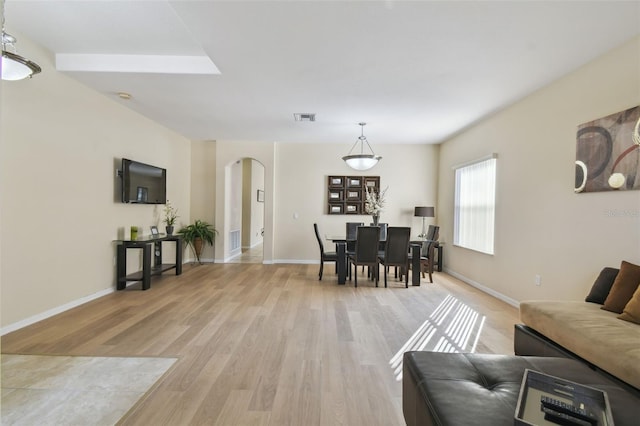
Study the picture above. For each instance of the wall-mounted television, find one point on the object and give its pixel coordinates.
(143, 183)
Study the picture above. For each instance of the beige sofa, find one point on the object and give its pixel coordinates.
(581, 330)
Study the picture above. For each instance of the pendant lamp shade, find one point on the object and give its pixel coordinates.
(15, 67)
(361, 161)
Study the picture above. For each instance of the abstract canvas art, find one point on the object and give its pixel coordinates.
(608, 153)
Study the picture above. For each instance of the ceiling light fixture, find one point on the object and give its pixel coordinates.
(361, 161)
(304, 116)
(13, 66)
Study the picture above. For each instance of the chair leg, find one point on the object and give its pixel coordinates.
(355, 276)
(429, 268)
(376, 271)
(406, 276)
(386, 272)
(321, 268)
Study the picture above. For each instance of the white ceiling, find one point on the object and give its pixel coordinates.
(416, 72)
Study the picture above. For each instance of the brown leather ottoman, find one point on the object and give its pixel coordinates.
(477, 389)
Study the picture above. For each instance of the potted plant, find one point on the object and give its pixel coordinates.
(197, 235)
(170, 216)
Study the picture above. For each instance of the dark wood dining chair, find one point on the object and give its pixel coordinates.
(427, 252)
(433, 233)
(351, 232)
(325, 256)
(396, 251)
(383, 230)
(366, 251)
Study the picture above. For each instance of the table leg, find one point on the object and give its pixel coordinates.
(415, 266)
(146, 266)
(341, 264)
(178, 256)
(121, 283)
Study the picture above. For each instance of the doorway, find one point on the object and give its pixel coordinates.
(247, 213)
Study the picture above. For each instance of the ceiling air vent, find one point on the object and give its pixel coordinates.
(304, 116)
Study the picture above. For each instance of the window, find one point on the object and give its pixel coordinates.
(475, 197)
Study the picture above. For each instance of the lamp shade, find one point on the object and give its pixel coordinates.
(424, 212)
(15, 67)
(361, 161)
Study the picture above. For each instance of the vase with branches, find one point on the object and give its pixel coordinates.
(374, 204)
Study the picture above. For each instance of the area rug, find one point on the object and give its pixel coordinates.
(70, 390)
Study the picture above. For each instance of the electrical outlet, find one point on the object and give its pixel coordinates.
(537, 279)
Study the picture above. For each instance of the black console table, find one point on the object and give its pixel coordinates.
(148, 245)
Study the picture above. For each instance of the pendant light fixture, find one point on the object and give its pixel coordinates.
(361, 161)
(13, 66)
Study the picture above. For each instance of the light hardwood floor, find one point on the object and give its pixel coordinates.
(271, 345)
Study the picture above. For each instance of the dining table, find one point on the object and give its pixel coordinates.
(341, 264)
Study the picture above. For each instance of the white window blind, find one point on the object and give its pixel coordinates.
(475, 197)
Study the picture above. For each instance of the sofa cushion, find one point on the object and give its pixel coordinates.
(593, 334)
(602, 286)
(623, 287)
(632, 309)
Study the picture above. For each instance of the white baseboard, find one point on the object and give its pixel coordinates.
(55, 311)
(62, 308)
(483, 288)
(256, 244)
(297, 261)
(202, 260)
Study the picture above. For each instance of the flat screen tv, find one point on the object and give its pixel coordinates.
(143, 183)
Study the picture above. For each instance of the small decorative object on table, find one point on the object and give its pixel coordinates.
(154, 231)
(375, 204)
(170, 216)
(134, 233)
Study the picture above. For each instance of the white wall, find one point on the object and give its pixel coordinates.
(256, 212)
(410, 172)
(203, 191)
(60, 143)
(295, 191)
(542, 226)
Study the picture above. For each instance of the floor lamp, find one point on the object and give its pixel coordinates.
(424, 212)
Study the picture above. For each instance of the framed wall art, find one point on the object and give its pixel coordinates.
(347, 194)
(608, 153)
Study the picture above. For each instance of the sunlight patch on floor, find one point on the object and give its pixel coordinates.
(452, 327)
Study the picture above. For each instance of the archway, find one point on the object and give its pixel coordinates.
(246, 212)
